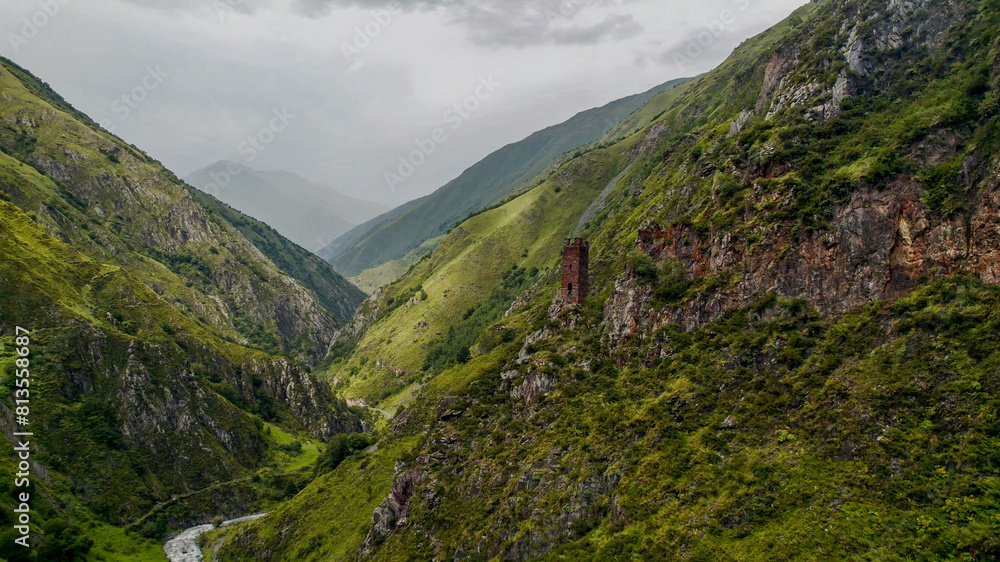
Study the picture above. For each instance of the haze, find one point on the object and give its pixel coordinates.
(357, 84)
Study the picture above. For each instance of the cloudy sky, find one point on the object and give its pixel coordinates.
(338, 90)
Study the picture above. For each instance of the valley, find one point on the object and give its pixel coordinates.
(750, 315)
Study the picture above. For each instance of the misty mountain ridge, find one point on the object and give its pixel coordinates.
(307, 213)
(386, 246)
(782, 344)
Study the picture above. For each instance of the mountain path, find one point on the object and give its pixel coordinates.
(383, 412)
(598, 205)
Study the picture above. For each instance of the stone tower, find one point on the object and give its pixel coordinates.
(576, 271)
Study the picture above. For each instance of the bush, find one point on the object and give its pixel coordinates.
(63, 541)
(100, 421)
(941, 184)
(642, 267)
(338, 449)
(673, 283)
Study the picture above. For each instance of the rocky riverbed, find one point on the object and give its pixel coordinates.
(184, 547)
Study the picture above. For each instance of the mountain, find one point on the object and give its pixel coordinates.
(788, 350)
(309, 214)
(170, 353)
(405, 231)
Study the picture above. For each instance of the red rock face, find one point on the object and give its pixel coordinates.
(576, 271)
(881, 245)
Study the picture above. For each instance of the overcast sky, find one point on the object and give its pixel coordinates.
(338, 90)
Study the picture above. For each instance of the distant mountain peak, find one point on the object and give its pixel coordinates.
(310, 214)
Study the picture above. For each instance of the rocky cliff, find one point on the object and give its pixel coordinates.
(165, 343)
(789, 350)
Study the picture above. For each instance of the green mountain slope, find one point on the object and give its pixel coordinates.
(469, 281)
(308, 214)
(789, 347)
(119, 206)
(170, 356)
(500, 174)
(336, 295)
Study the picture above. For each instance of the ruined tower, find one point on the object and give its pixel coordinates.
(576, 271)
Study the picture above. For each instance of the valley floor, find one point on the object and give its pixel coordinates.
(184, 547)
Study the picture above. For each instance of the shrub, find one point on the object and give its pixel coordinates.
(642, 267)
(63, 541)
(338, 449)
(673, 282)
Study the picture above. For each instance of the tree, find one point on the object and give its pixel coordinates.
(338, 449)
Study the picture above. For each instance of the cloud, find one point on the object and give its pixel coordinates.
(536, 22)
(229, 71)
(702, 46)
(241, 6)
(506, 23)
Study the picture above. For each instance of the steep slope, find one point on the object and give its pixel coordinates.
(167, 350)
(308, 214)
(789, 348)
(338, 296)
(468, 282)
(118, 206)
(494, 179)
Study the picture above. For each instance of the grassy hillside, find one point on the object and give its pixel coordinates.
(469, 281)
(168, 351)
(485, 184)
(117, 205)
(789, 348)
(337, 296)
(375, 278)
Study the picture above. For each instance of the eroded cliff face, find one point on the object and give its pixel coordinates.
(880, 246)
(878, 243)
(310, 400)
(173, 419)
(391, 514)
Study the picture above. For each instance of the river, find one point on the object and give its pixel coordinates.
(184, 547)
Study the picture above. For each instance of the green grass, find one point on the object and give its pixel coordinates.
(293, 461)
(397, 401)
(770, 432)
(113, 543)
(642, 117)
(846, 440)
(467, 267)
(328, 520)
(52, 500)
(374, 278)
